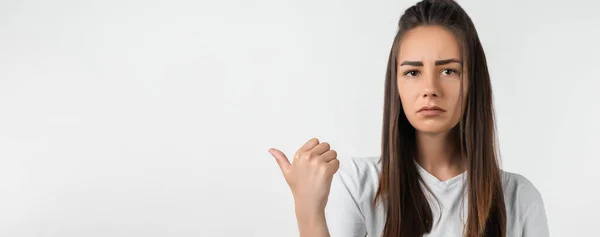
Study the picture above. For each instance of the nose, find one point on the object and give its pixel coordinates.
(430, 86)
(430, 93)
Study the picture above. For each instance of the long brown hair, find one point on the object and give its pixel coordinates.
(408, 211)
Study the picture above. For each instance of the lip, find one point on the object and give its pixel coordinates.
(430, 110)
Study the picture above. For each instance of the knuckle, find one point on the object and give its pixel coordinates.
(322, 169)
(336, 162)
(314, 162)
(336, 167)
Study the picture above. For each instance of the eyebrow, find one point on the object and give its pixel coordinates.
(437, 63)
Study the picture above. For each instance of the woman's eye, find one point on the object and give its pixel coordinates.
(411, 73)
(448, 72)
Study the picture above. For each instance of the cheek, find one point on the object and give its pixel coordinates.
(405, 93)
(456, 101)
(407, 88)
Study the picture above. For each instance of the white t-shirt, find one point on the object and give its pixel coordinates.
(349, 212)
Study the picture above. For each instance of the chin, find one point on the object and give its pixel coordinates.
(432, 131)
(433, 128)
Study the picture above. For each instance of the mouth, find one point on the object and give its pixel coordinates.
(430, 110)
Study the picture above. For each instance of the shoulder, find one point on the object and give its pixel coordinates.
(359, 176)
(360, 171)
(520, 193)
(348, 211)
(359, 165)
(526, 214)
(518, 184)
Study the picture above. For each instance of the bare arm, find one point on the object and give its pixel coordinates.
(312, 224)
(309, 177)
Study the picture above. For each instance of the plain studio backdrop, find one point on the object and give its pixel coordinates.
(153, 118)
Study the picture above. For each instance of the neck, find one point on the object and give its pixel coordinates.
(439, 154)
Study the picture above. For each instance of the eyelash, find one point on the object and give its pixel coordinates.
(446, 69)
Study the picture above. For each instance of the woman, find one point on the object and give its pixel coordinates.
(438, 173)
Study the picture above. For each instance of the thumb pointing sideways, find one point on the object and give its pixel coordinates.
(282, 160)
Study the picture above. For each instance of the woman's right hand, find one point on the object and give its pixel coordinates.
(310, 174)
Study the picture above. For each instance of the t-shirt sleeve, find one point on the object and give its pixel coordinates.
(535, 223)
(342, 212)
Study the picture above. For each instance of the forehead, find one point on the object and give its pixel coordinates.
(428, 43)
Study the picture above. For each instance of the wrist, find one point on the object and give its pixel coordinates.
(308, 210)
(310, 218)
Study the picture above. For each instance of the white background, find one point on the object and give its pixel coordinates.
(153, 118)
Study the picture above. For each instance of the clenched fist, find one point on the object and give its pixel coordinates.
(310, 174)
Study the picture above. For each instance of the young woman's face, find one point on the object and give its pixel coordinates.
(429, 79)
